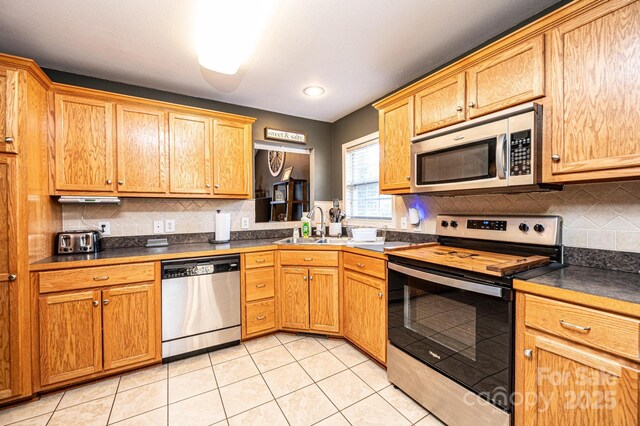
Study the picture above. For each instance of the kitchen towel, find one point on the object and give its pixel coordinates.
(223, 226)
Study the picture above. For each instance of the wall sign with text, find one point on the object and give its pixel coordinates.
(284, 135)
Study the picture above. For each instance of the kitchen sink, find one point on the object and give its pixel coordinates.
(306, 241)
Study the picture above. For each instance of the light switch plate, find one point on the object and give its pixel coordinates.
(158, 227)
(403, 223)
(169, 225)
(105, 228)
(245, 223)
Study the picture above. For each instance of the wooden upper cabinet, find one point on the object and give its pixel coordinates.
(324, 300)
(595, 61)
(232, 157)
(9, 110)
(129, 317)
(395, 146)
(83, 144)
(571, 385)
(9, 315)
(70, 336)
(440, 104)
(190, 154)
(507, 79)
(141, 148)
(294, 298)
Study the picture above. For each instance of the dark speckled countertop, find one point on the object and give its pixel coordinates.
(624, 286)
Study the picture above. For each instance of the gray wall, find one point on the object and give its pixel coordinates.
(353, 126)
(318, 132)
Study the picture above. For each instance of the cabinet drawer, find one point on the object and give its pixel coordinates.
(366, 265)
(309, 258)
(260, 316)
(73, 279)
(258, 260)
(612, 333)
(259, 284)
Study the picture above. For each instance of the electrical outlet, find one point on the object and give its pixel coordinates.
(245, 223)
(169, 225)
(105, 228)
(158, 227)
(403, 223)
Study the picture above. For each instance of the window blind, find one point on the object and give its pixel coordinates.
(362, 183)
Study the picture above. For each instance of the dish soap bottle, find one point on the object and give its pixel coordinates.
(306, 227)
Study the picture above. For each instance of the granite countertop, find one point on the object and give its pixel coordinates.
(624, 286)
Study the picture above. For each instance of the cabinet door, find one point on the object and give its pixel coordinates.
(8, 110)
(9, 313)
(506, 79)
(190, 154)
(83, 144)
(395, 147)
(70, 336)
(564, 384)
(294, 298)
(232, 154)
(142, 159)
(365, 313)
(440, 104)
(129, 325)
(324, 300)
(595, 60)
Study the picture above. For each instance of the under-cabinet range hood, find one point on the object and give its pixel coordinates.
(65, 199)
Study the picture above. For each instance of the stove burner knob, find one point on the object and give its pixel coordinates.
(524, 227)
(538, 227)
(454, 224)
(444, 224)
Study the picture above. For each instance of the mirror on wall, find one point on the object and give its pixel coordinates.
(282, 183)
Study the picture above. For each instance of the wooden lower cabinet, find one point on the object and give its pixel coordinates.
(70, 336)
(258, 294)
(294, 298)
(129, 325)
(365, 313)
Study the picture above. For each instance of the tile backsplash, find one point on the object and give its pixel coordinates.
(600, 216)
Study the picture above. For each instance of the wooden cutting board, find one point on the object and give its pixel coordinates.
(485, 262)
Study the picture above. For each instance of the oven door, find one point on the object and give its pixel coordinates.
(459, 327)
(474, 158)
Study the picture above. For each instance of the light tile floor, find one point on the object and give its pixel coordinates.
(282, 379)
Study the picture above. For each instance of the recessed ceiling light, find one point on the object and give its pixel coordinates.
(313, 91)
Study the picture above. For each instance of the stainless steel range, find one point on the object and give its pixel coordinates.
(451, 312)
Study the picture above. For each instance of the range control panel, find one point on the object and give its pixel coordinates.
(520, 157)
(492, 225)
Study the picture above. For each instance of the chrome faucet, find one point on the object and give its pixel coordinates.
(320, 232)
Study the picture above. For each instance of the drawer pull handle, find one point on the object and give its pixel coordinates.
(103, 278)
(308, 259)
(260, 285)
(577, 327)
(261, 317)
(260, 260)
(360, 265)
(8, 139)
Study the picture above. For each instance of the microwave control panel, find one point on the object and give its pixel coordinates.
(520, 153)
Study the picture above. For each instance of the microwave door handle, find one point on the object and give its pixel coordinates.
(449, 282)
(501, 155)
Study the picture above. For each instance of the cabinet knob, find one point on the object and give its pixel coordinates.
(528, 353)
(408, 177)
(459, 108)
(555, 158)
(208, 185)
(471, 105)
(120, 182)
(105, 302)
(304, 278)
(108, 181)
(216, 186)
(96, 303)
(380, 295)
(8, 139)
(310, 277)
(12, 277)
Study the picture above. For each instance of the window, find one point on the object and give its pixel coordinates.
(362, 197)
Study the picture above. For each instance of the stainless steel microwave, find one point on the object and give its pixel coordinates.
(496, 153)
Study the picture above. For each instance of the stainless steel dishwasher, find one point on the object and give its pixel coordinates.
(200, 305)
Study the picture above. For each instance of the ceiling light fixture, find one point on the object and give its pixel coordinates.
(227, 31)
(313, 91)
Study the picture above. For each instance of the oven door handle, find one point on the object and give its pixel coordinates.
(449, 282)
(501, 155)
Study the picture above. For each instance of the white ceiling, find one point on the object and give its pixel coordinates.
(358, 50)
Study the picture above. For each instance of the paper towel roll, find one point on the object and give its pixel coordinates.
(223, 226)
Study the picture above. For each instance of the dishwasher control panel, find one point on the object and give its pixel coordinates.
(200, 266)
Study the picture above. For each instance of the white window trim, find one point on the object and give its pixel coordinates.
(364, 140)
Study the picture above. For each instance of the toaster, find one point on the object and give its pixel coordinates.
(77, 242)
